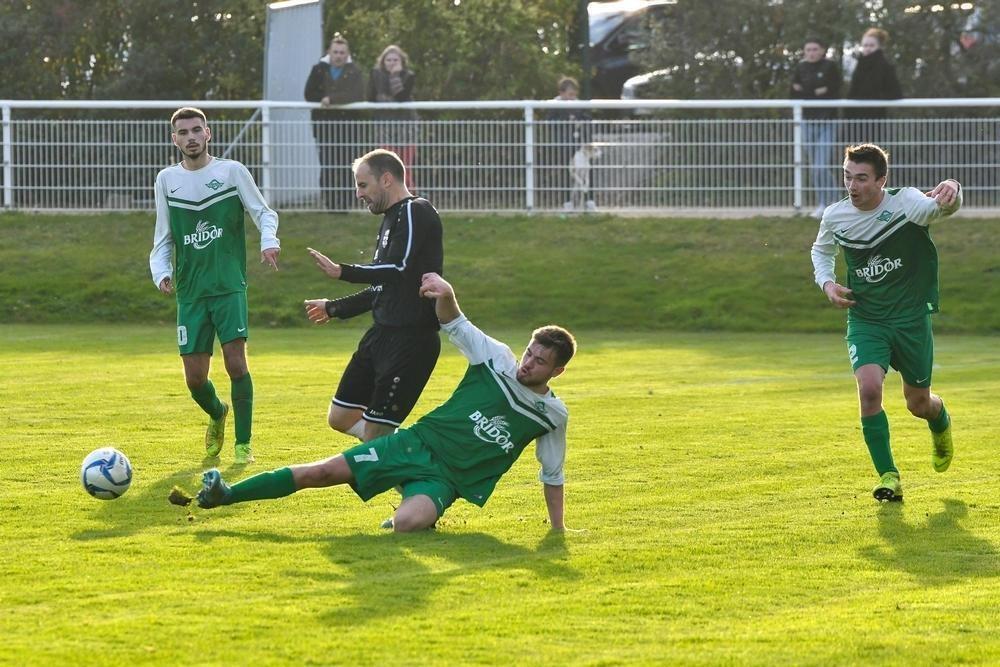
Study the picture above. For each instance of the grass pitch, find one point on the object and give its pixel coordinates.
(719, 481)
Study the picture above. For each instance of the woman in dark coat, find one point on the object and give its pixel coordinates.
(874, 77)
(392, 81)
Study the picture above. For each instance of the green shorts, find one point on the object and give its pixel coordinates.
(906, 346)
(199, 321)
(399, 459)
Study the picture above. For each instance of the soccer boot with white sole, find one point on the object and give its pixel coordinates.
(244, 454)
(216, 433)
(888, 488)
(214, 490)
(943, 449)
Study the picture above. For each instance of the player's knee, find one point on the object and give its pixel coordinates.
(339, 422)
(415, 513)
(412, 524)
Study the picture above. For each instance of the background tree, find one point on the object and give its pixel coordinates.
(213, 49)
(746, 48)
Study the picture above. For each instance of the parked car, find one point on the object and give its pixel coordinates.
(617, 29)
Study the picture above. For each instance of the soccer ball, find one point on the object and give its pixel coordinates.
(106, 473)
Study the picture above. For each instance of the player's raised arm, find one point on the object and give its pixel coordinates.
(948, 196)
(435, 287)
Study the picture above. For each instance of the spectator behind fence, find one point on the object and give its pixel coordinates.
(570, 132)
(816, 77)
(874, 78)
(392, 80)
(334, 80)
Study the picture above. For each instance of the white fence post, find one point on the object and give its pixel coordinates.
(8, 159)
(266, 180)
(529, 158)
(797, 157)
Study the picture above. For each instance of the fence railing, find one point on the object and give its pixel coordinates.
(651, 156)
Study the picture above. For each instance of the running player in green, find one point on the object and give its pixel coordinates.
(461, 449)
(891, 292)
(199, 252)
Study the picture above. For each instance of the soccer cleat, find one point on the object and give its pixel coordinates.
(216, 432)
(214, 491)
(943, 449)
(243, 453)
(888, 488)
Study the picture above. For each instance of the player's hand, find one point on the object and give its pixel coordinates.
(270, 256)
(325, 264)
(945, 193)
(838, 295)
(316, 310)
(167, 285)
(433, 286)
(325, 102)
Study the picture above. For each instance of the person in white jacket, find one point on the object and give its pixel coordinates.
(891, 291)
(199, 253)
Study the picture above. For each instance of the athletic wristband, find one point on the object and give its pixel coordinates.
(330, 308)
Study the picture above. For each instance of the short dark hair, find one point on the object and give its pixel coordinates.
(339, 39)
(559, 340)
(812, 39)
(568, 82)
(381, 161)
(188, 112)
(871, 154)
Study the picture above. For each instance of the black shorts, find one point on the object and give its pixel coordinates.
(387, 373)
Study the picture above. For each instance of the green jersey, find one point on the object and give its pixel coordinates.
(891, 260)
(480, 431)
(200, 228)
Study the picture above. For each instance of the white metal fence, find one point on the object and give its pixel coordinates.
(652, 156)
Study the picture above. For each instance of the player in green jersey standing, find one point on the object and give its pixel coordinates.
(199, 252)
(460, 449)
(891, 292)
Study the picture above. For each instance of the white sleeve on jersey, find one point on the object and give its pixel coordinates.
(922, 209)
(824, 256)
(476, 346)
(550, 450)
(262, 215)
(161, 257)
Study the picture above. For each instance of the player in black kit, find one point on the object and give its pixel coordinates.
(396, 356)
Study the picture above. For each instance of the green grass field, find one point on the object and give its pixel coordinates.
(719, 481)
(625, 274)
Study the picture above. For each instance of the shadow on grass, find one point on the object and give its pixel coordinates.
(145, 504)
(939, 551)
(385, 575)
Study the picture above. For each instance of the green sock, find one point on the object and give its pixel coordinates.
(205, 397)
(242, 395)
(265, 486)
(940, 423)
(876, 431)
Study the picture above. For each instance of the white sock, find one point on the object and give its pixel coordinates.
(358, 430)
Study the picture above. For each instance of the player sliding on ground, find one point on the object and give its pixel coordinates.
(891, 291)
(461, 449)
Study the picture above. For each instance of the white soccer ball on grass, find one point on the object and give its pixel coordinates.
(106, 473)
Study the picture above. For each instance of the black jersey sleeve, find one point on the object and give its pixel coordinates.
(352, 305)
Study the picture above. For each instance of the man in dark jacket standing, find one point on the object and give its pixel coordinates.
(817, 77)
(336, 80)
